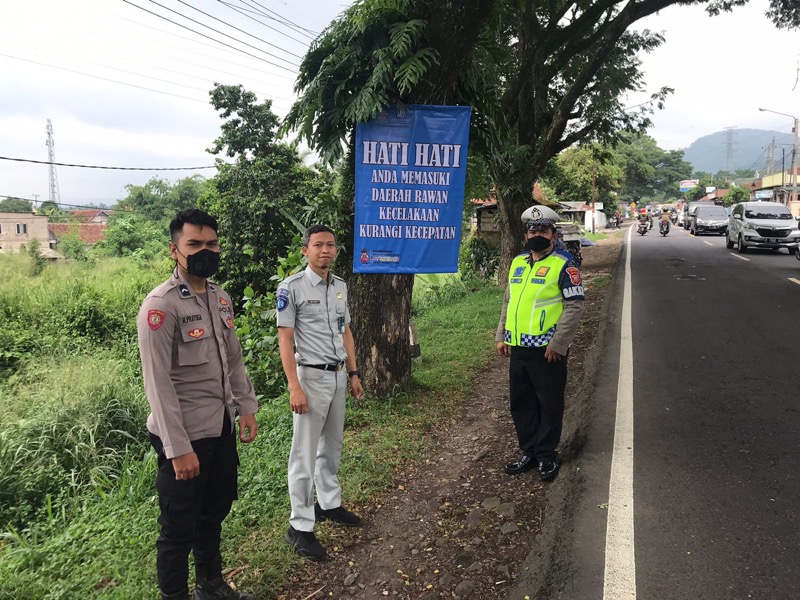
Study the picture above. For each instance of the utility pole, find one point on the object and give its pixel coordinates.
(771, 158)
(793, 179)
(51, 156)
(794, 161)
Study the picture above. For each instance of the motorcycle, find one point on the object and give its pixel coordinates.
(674, 218)
(642, 228)
(663, 228)
(570, 235)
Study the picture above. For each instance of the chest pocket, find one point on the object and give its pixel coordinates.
(313, 312)
(195, 344)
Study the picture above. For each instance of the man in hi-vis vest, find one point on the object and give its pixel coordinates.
(542, 306)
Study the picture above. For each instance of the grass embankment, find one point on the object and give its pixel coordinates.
(76, 472)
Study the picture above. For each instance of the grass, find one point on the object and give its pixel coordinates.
(73, 416)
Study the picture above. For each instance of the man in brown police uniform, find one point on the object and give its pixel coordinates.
(196, 384)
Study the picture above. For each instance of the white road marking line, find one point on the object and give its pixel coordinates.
(739, 257)
(708, 243)
(793, 280)
(619, 581)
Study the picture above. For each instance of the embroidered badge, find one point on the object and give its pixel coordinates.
(518, 272)
(184, 290)
(155, 319)
(191, 319)
(283, 299)
(229, 322)
(574, 275)
(542, 271)
(223, 301)
(196, 333)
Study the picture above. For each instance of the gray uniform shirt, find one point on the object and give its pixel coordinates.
(192, 364)
(317, 312)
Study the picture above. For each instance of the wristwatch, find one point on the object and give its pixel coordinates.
(355, 373)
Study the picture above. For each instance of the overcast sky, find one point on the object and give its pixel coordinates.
(124, 87)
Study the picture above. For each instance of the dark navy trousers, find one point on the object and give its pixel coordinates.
(536, 390)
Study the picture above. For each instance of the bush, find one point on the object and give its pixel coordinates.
(477, 258)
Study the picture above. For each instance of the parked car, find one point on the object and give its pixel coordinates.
(690, 208)
(762, 225)
(709, 219)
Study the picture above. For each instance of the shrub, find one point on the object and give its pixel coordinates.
(477, 258)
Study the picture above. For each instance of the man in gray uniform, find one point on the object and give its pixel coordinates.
(314, 320)
(195, 382)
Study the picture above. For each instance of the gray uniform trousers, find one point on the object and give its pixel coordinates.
(317, 446)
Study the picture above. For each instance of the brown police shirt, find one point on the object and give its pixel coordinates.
(192, 364)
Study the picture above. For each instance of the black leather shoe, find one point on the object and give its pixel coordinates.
(305, 544)
(526, 463)
(182, 595)
(218, 589)
(548, 471)
(339, 515)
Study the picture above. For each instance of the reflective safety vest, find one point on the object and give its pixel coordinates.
(535, 299)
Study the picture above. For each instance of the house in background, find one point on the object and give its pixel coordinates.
(96, 215)
(88, 233)
(18, 230)
(484, 220)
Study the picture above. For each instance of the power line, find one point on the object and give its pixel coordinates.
(44, 162)
(285, 21)
(242, 30)
(198, 54)
(141, 87)
(170, 82)
(214, 39)
(244, 11)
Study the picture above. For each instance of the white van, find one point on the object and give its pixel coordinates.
(762, 225)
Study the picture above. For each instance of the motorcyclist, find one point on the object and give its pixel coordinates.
(644, 217)
(664, 220)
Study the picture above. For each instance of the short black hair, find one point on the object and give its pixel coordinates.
(316, 229)
(193, 216)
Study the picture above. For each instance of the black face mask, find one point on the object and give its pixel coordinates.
(537, 243)
(202, 264)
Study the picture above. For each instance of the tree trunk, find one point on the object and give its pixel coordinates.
(380, 306)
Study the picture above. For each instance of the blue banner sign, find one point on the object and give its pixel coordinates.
(411, 166)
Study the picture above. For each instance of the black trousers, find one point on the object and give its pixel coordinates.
(192, 510)
(536, 389)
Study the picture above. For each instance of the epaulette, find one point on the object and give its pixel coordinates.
(294, 277)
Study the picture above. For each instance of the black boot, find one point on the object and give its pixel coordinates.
(211, 585)
(218, 589)
(182, 595)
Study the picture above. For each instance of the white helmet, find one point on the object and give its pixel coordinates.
(539, 212)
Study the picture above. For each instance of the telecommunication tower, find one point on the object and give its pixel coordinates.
(728, 146)
(51, 156)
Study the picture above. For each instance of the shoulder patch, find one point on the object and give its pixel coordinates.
(574, 275)
(282, 300)
(155, 319)
(223, 301)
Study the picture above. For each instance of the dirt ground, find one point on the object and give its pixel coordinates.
(455, 525)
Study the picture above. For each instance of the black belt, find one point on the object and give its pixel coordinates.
(333, 367)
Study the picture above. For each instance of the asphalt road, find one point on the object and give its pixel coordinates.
(716, 429)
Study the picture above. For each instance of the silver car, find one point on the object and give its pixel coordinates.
(762, 225)
(709, 219)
